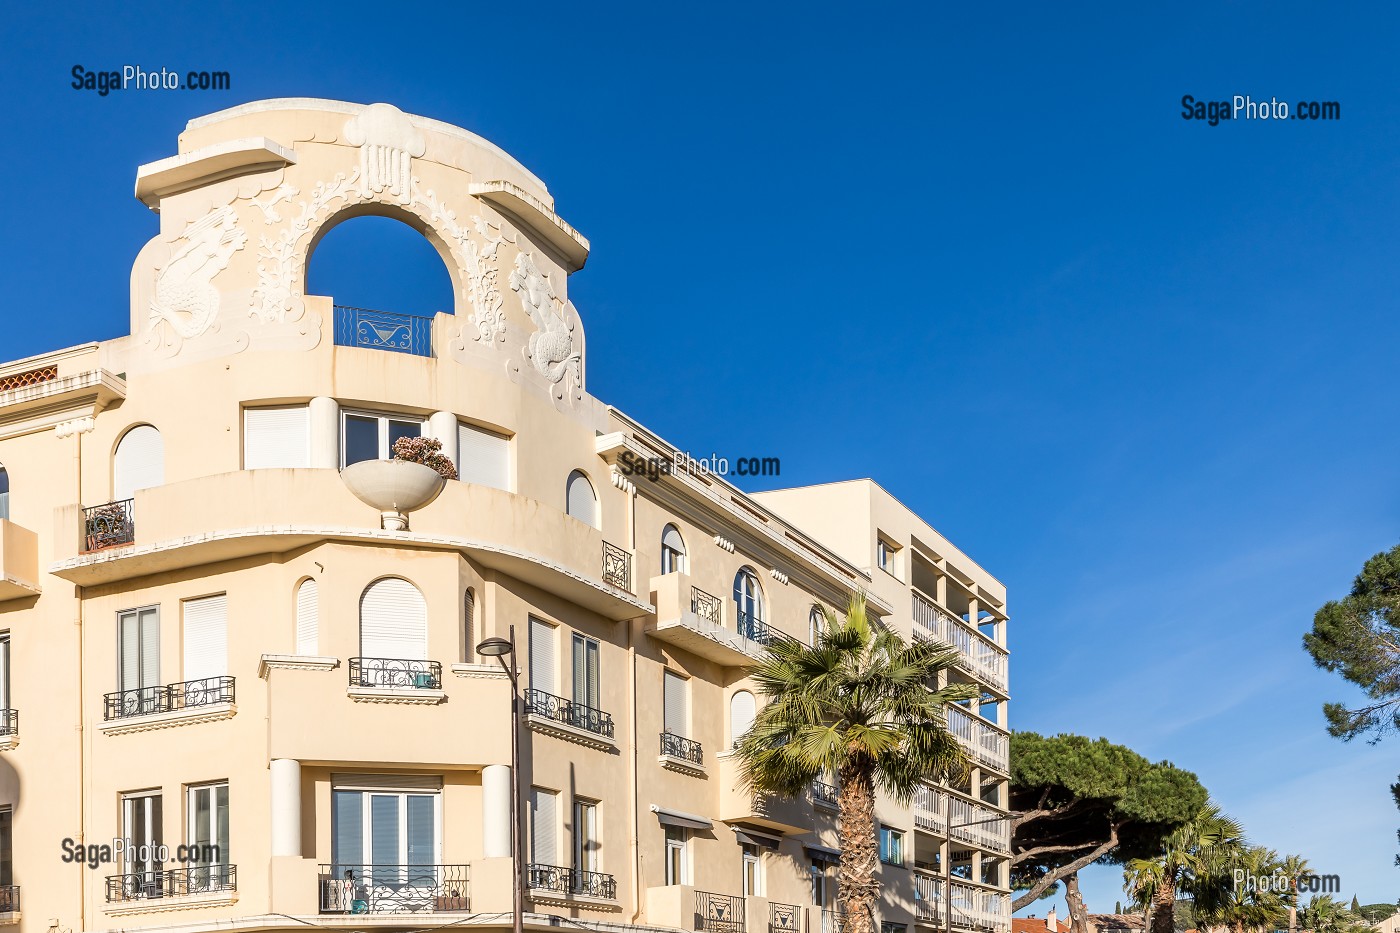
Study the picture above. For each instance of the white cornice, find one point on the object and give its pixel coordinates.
(295, 662)
(408, 696)
(214, 712)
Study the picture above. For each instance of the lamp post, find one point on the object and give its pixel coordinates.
(500, 649)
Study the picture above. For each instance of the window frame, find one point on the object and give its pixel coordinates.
(386, 450)
(751, 867)
(596, 521)
(587, 854)
(891, 846)
(4, 493)
(152, 812)
(211, 787)
(122, 686)
(672, 560)
(676, 840)
(754, 598)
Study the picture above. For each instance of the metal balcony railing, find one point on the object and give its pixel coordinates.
(395, 673)
(719, 913)
(617, 567)
(562, 880)
(558, 709)
(755, 629)
(176, 882)
(704, 605)
(9, 722)
(826, 795)
(976, 909)
(981, 741)
(784, 918)
(833, 921)
(928, 896)
(9, 899)
(383, 330)
(678, 746)
(165, 699)
(110, 525)
(394, 889)
(986, 662)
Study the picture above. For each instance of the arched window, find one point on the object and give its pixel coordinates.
(139, 462)
(393, 621)
(469, 625)
(741, 714)
(672, 551)
(4, 494)
(582, 502)
(816, 622)
(308, 616)
(748, 600)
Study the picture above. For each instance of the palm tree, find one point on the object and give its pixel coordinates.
(1297, 869)
(859, 704)
(1258, 906)
(1325, 915)
(1190, 863)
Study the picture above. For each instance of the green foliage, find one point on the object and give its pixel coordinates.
(1375, 913)
(1325, 915)
(1194, 859)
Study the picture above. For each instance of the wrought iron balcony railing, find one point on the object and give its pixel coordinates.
(827, 795)
(678, 746)
(110, 525)
(9, 899)
(186, 695)
(176, 882)
(617, 567)
(562, 880)
(558, 709)
(9, 722)
(704, 605)
(755, 629)
(383, 330)
(834, 921)
(719, 913)
(394, 889)
(395, 673)
(784, 918)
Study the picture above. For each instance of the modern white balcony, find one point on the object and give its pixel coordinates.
(972, 823)
(977, 654)
(973, 908)
(985, 743)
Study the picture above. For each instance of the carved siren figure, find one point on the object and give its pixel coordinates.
(551, 346)
(185, 299)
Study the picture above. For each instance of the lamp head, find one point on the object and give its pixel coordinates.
(494, 648)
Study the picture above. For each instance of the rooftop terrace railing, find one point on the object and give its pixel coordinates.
(383, 330)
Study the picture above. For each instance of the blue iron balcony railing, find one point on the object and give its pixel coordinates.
(383, 330)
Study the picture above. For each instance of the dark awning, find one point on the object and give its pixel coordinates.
(749, 837)
(823, 854)
(677, 818)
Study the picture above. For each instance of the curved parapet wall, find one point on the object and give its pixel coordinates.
(253, 190)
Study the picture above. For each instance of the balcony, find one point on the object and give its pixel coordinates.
(756, 630)
(383, 330)
(205, 700)
(19, 561)
(9, 899)
(977, 655)
(394, 889)
(764, 811)
(978, 825)
(9, 729)
(928, 896)
(719, 913)
(690, 618)
(784, 918)
(826, 795)
(834, 921)
(568, 719)
(974, 908)
(930, 809)
(617, 567)
(214, 880)
(682, 754)
(109, 525)
(395, 680)
(986, 744)
(558, 884)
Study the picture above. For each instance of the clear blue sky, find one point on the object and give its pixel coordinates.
(1141, 368)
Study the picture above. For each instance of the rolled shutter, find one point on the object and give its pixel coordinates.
(206, 637)
(542, 656)
(671, 538)
(393, 621)
(276, 437)
(674, 691)
(582, 504)
(543, 820)
(139, 462)
(469, 625)
(347, 829)
(741, 713)
(308, 617)
(483, 457)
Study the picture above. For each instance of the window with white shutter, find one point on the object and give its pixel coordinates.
(586, 674)
(393, 621)
(544, 821)
(276, 437)
(4, 494)
(308, 617)
(483, 457)
(206, 637)
(138, 649)
(543, 656)
(741, 714)
(674, 690)
(468, 625)
(582, 503)
(139, 462)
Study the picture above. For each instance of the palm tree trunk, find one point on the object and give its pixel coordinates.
(860, 854)
(1078, 914)
(1163, 905)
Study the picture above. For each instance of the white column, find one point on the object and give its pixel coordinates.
(495, 811)
(443, 426)
(325, 433)
(286, 806)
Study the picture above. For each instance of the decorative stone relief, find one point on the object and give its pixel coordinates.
(388, 142)
(551, 346)
(186, 302)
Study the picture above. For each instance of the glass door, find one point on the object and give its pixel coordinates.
(208, 823)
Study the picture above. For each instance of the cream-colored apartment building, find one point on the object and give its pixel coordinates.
(259, 673)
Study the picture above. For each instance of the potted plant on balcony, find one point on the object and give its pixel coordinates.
(404, 484)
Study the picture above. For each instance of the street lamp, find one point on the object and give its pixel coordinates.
(500, 649)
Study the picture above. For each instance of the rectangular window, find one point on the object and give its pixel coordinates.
(887, 556)
(367, 436)
(819, 887)
(4, 673)
(141, 828)
(138, 656)
(276, 437)
(753, 874)
(483, 457)
(674, 704)
(677, 860)
(891, 846)
(544, 826)
(206, 829)
(542, 657)
(379, 837)
(7, 846)
(586, 686)
(587, 848)
(206, 637)
(887, 927)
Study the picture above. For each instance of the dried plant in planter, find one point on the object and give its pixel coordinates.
(427, 451)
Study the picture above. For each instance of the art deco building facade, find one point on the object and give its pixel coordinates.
(229, 631)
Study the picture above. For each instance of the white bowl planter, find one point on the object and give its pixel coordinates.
(394, 487)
